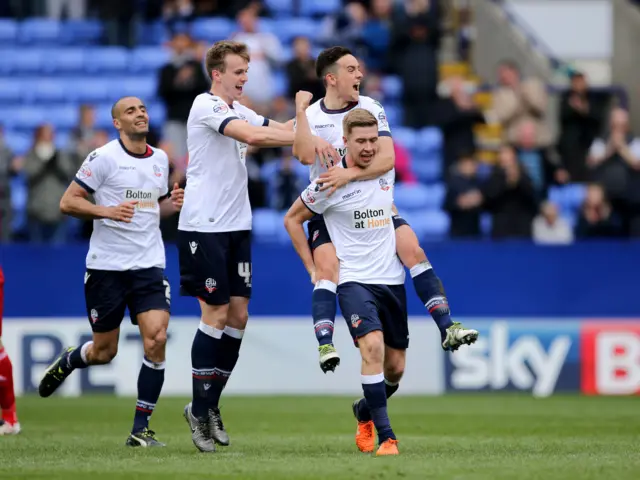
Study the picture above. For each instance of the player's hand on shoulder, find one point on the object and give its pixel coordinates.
(326, 152)
(334, 178)
(123, 212)
(303, 99)
(177, 196)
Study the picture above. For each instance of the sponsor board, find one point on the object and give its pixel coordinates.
(279, 355)
(541, 357)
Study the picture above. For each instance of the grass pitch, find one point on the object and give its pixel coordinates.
(452, 437)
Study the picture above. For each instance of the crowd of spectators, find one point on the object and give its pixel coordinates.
(594, 147)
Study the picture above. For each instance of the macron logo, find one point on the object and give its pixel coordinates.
(193, 246)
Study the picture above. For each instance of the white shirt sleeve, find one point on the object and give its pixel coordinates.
(315, 200)
(164, 191)
(252, 117)
(598, 148)
(377, 109)
(94, 171)
(219, 116)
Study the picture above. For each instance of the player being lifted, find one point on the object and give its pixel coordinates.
(10, 424)
(125, 263)
(371, 284)
(341, 74)
(214, 232)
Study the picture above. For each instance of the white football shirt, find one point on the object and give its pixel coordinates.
(114, 175)
(216, 198)
(358, 218)
(327, 124)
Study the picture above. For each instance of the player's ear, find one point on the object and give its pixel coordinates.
(116, 123)
(344, 140)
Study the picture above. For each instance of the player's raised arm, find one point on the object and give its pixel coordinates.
(303, 145)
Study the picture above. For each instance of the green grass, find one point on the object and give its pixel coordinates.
(452, 437)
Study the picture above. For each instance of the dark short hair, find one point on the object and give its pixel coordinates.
(218, 52)
(328, 58)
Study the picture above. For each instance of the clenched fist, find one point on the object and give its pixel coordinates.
(303, 99)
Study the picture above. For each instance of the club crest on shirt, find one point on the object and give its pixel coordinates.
(382, 118)
(384, 184)
(309, 196)
(84, 172)
(220, 109)
(157, 171)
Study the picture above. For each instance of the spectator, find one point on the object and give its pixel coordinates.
(457, 115)
(9, 166)
(82, 138)
(178, 15)
(541, 164)
(510, 197)
(345, 28)
(376, 35)
(74, 9)
(266, 52)
(181, 80)
(464, 198)
(48, 172)
(414, 50)
(404, 174)
(288, 184)
(612, 159)
(301, 70)
(551, 229)
(597, 217)
(516, 101)
(580, 119)
(120, 21)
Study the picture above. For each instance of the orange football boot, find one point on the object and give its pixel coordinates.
(388, 447)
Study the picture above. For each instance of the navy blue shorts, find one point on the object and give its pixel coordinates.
(317, 233)
(109, 293)
(215, 266)
(367, 308)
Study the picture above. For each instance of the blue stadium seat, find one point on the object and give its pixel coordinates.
(25, 118)
(62, 138)
(40, 31)
(107, 59)
(281, 82)
(269, 170)
(149, 59)
(411, 196)
(320, 7)
(89, 89)
(391, 87)
(66, 60)
(486, 223)
(19, 143)
(103, 116)
(404, 136)
(46, 90)
(394, 114)
(569, 198)
(11, 90)
(428, 168)
(429, 140)
(8, 31)
(280, 7)
(19, 196)
(430, 225)
(26, 60)
(290, 28)
(267, 25)
(212, 29)
(63, 117)
(143, 87)
(266, 223)
(157, 113)
(81, 32)
(152, 34)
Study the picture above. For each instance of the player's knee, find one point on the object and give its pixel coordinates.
(238, 318)
(372, 348)
(393, 372)
(154, 345)
(409, 249)
(327, 268)
(215, 315)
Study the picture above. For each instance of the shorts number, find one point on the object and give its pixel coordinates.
(167, 290)
(244, 270)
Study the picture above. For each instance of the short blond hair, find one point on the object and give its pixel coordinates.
(358, 117)
(219, 51)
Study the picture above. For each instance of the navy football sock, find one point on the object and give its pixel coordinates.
(77, 358)
(204, 350)
(363, 413)
(430, 290)
(150, 381)
(374, 393)
(227, 358)
(323, 307)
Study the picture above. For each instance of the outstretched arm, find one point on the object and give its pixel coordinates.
(293, 222)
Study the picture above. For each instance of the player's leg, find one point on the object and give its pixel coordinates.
(429, 287)
(324, 293)
(105, 296)
(10, 425)
(203, 274)
(149, 301)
